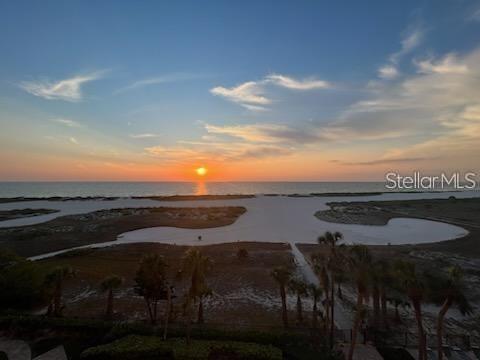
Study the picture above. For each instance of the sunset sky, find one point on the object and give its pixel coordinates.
(250, 90)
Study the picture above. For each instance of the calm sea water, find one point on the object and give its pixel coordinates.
(125, 189)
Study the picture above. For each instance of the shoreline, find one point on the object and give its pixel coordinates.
(194, 197)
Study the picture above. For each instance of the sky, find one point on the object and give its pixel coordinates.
(251, 90)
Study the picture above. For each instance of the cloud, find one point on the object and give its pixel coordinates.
(186, 152)
(155, 80)
(388, 72)
(290, 83)
(412, 37)
(448, 65)
(73, 140)
(474, 16)
(384, 161)
(435, 112)
(67, 122)
(266, 133)
(143, 136)
(252, 94)
(249, 94)
(67, 90)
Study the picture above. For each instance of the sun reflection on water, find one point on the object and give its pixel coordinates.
(201, 188)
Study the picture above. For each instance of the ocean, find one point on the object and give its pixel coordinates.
(126, 189)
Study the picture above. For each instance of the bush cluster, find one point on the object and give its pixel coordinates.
(135, 347)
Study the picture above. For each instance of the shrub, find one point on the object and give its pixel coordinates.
(21, 282)
(242, 254)
(149, 347)
(130, 348)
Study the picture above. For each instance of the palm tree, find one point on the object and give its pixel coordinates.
(413, 284)
(316, 293)
(151, 282)
(298, 287)
(168, 310)
(380, 279)
(398, 300)
(385, 279)
(205, 293)
(109, 284)
(196, 266)
(282, 276)
(321, 271)
(54, 280)
(448, 291)
(360, 262)
(334, 264)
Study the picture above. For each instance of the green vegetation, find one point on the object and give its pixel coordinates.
(400, 282)
(141, 347)
(21, 282)
(108, 285)
(151, 283)
(283, 275)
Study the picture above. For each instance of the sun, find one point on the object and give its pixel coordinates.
(201, 171)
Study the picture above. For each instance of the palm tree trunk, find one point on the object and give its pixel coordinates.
(332, 318)
(109, 309)
(189, 322)
(441, 315)
(200, 311)
(155, 303)
(376, 306)
(167, 312)
(149, 309)
(356, 326)
(326, 305)
(299, 310)
(50, 308)
(421, 333)
(314, 312)
(283, 295)
(57, 299)
(397, 315)
(383, 302)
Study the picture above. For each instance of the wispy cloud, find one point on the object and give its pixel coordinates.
(267, 133)
(412, 37)
(199, 151)
(436, 112)
(449, 64)
(388, 72)
(73, 140)
(384, 161)
(156, 80)
(143, 136)
(247, 94)
(291, 83)
(252, 94)
(67, 89)
(474, 15)
(67, 122)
